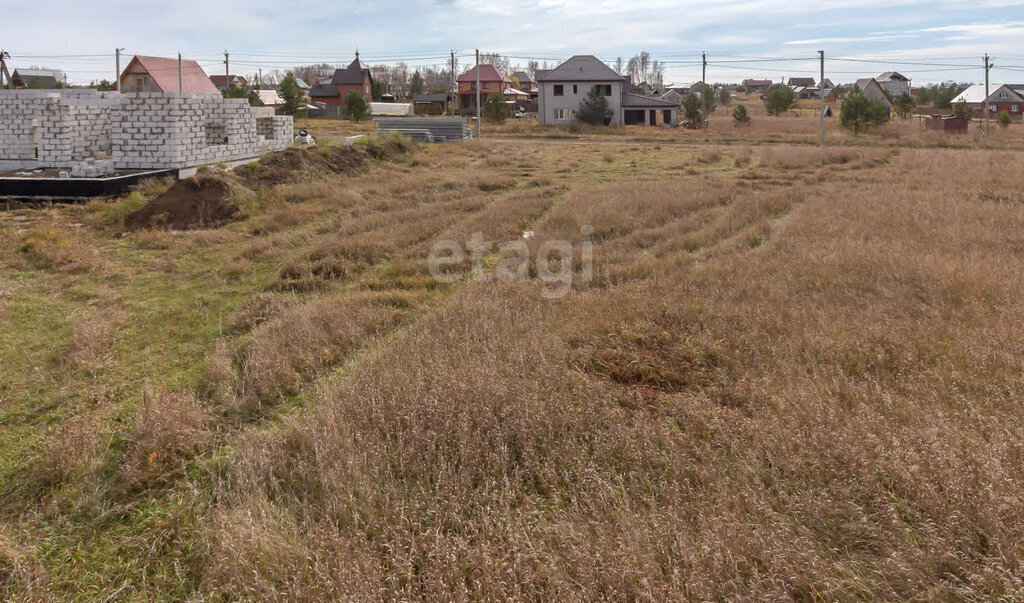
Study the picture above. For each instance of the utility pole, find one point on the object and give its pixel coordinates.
(260, 81)
(821, 96)
(5, 76)
(478, 95)
(453, 91)
(704, 86)
(987, 67)
(227, 72)
(181, 85)
(117, 66)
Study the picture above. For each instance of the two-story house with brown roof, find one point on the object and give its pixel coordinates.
(491, 81)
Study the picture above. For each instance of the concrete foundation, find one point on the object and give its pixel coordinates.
(61, 129)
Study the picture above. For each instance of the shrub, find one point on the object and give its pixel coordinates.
(357, 107)
(740, 115)
(594, 108)
(495, 109)
(780, 100)
(962, 110)
(859, 112)
(693, 114)
(1004, 119)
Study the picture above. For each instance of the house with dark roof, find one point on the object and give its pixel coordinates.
(157, 74)
(801, 82)
(872, 90)
(223, 81)
(431, 103)
(758, 86)
(491, 81)
(45, 79)
(525, 82)
(354, 78)
(562, 88)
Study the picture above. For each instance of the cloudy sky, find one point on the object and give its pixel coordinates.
(927, 40)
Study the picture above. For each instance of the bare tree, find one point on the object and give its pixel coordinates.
(619, 65)
(502, 64)
(531, 68)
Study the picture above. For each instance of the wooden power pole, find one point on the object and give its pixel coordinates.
(117, 67)
(988, 66)
(478, 95)
(453, 91)
(5, 76)
(181, 83)
(704, 86)
(821, 96)
(227, 72)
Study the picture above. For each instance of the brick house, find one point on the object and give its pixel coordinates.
(491, 81)
(1002, 97)
(156, 74)
(354, 78)
(223, 81)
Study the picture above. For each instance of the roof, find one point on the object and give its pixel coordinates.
(350, 75)
(757, 82)
(269, 98)
(581, 68)
(431, 97)
(867, 84)
(976, 93)
(222, 80)
(323, 91)
(630, 100)
(164, 73)
(523, 77)
(488, 73)
(357, 63)
(801, 81)
(301, 83)
(517, 92)
(541, 73)
(47, 77)
(892, 75)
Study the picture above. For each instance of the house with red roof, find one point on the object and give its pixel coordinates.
(491, 81)
(156, 74)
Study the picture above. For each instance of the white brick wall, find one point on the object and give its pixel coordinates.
(148, 130)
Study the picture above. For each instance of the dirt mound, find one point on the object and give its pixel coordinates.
(295, 164)
(203, 201)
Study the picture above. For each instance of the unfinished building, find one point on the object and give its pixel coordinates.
(136, 131)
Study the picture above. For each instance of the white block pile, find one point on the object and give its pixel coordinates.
(61, 129)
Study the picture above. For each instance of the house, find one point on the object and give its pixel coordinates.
(490, 81)
(562, 88)
(801, 82)
(895, 84)
(1002, 97)
(524, 82)
(874, 91)
(46, 79)
(156, 74)
(435, 103)
(757, 86)
(354, 78)
(223, 81)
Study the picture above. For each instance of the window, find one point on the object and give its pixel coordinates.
(992, 108)
(1004, 95)
(605, 89)
(1015, 108)
(562, 114)
(574, 88)
(559, 90)
(487, 86)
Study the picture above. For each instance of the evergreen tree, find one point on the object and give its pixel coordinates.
(594, 109)
(779, 100)
(292, 95)
(858, 112)
(356, 105)
(495, 109)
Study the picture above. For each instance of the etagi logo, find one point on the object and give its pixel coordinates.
(554, 264)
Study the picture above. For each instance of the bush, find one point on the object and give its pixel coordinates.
(724, 98)
(740, 115)
(357, 107)
(859, 112)
(1004, 119)
(594, 108)
(495, 109)
(962, 110)
(904, 105)
(693, 114)
(779, 100)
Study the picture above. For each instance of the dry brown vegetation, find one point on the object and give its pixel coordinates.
(791, 376)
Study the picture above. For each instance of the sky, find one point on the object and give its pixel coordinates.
(928, 41)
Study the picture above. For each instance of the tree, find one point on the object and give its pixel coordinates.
(904, 105)
(494, 108)
(234, 91)
(619, 65)
(380, 88)
(594, 108)
(779, 100)
(858, 112)
(724, 98)
(102, 85)
(502, 64)
(693, 113)
(356, 105)
(293, 95)
(740, 115)
(1004, 119)
(962, 110)
(416, 84)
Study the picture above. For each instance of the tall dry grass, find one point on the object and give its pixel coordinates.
(828, 410)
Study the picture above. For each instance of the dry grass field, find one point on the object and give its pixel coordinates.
(789, 377)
